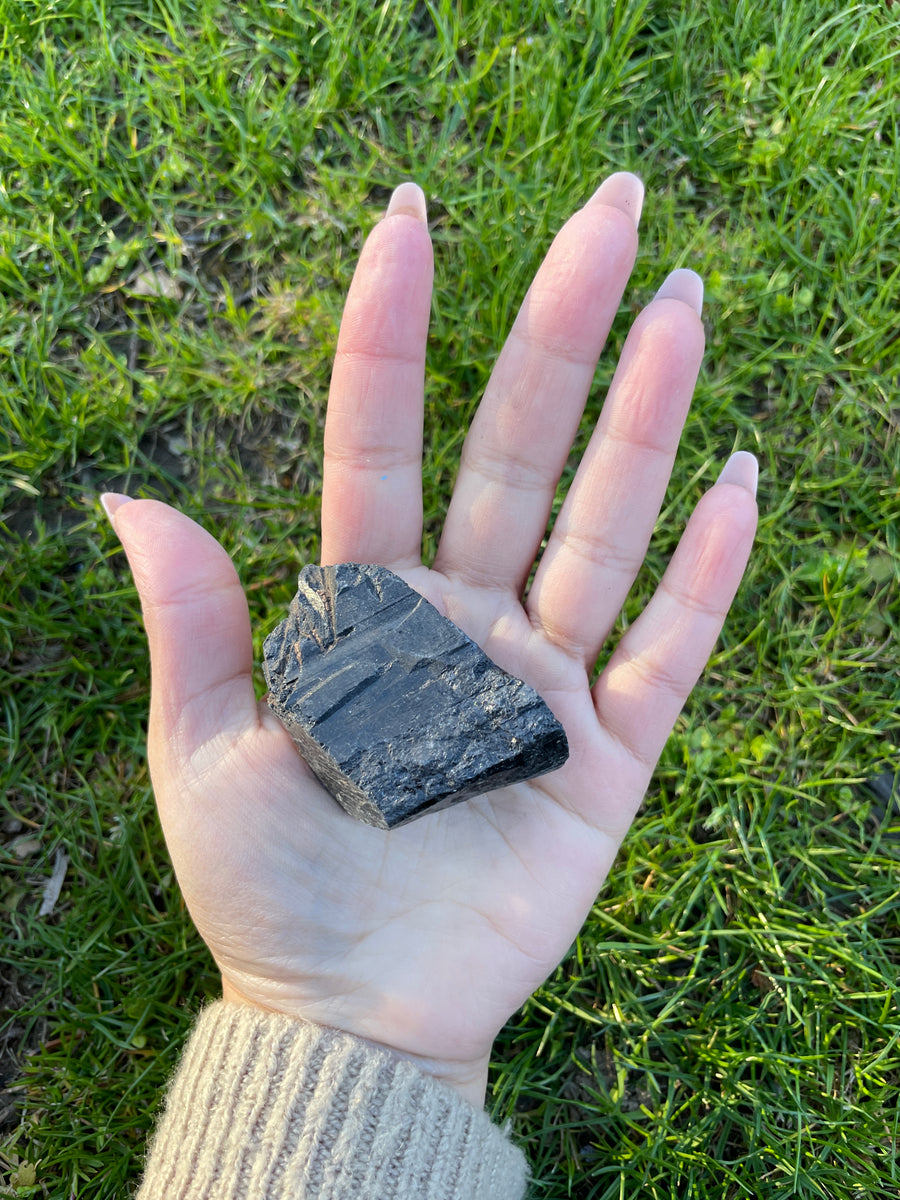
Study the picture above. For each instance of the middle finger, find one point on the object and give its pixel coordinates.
(523, 431)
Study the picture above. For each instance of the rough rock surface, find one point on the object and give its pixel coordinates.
(396, 710)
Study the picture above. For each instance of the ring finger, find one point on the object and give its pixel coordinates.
(601, 535)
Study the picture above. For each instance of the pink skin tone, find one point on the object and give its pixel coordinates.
(427, 938)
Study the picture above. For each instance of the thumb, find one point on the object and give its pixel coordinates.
(198, 627)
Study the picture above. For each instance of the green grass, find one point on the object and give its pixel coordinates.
(184, 188)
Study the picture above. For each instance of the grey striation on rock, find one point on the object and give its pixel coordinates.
(395, 709)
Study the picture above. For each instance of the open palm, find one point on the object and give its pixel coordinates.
(426, 938)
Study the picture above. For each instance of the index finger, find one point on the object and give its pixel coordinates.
(372, 487)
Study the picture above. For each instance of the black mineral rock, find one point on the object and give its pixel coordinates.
(393, 707)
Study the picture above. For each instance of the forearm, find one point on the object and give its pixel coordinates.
(268, 1107)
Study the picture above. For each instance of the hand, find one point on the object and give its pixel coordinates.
(425, 939)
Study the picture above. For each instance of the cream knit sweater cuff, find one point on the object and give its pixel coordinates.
(264, 1107)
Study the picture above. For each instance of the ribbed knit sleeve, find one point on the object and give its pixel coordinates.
(264, 1107)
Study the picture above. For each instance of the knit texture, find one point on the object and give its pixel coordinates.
(264, 1107)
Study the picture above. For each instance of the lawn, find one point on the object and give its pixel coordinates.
(184, 190)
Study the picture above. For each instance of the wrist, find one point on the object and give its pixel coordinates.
(467, 1078)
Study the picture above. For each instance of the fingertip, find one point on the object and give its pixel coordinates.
(728, 517)
(623, 191)
(408, 199)
(111, 502)
(198, 627)
(166, 549)
(741, 470)
(684, 285)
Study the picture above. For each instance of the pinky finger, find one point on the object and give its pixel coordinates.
(656, 664)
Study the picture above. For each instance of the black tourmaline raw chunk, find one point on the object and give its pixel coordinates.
(393, 707)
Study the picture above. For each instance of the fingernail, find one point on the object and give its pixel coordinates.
(112, 502)
(408, 199)
(683, 285)
(623, 191)
(741, 469)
